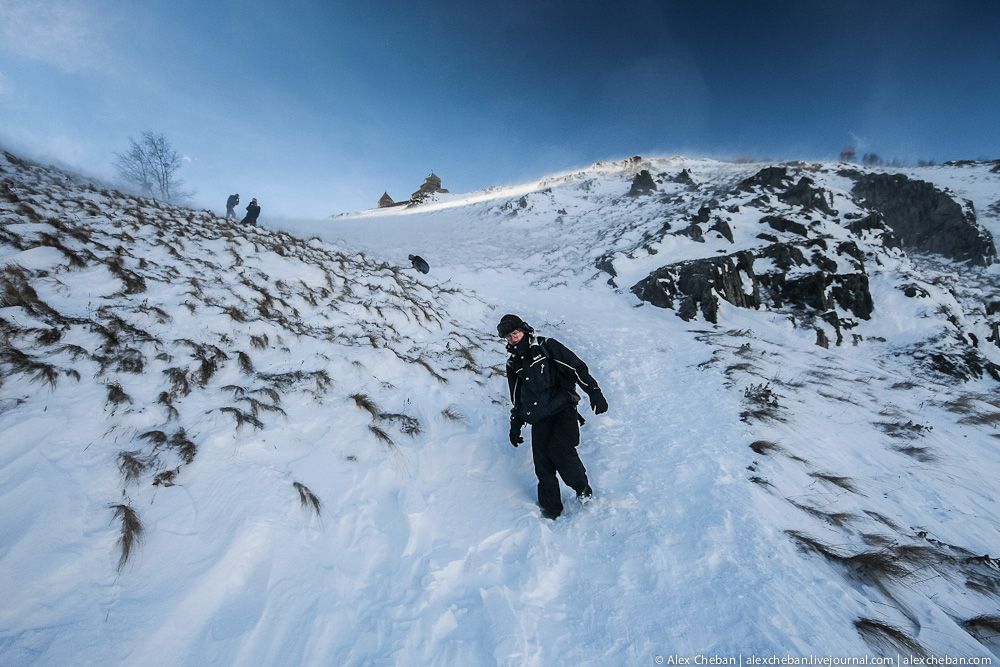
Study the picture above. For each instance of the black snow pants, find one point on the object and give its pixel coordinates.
(553, 448)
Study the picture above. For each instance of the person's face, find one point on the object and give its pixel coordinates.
(514, 337)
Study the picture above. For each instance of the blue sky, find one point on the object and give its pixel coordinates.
(317, 107)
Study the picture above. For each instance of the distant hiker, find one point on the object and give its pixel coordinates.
(419, 263)
(252, 212)
(231, 206)
(542, 375)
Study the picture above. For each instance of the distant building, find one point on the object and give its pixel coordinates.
(386, 201)
(431, 185)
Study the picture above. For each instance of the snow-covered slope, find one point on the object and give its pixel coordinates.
(756, 493)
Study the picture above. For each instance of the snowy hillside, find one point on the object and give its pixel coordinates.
(238, 446)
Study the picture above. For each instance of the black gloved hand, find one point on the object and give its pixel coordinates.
(515, 433)
(598, 403)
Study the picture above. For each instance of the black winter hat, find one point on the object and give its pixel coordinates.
(509, 323)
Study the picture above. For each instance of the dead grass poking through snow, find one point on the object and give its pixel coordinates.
(364, 402)
(307, 497)
(381, 435)
(131, 532)
(131, 465)
(842, 482)
(887, 640)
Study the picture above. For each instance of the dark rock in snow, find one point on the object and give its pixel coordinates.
(851, 249)
(926, 219)
(912, 290)
(785, 255)
(699, 283)
(784, 225)
(768, 177)
(808, 290)
(642, 184)
(808, 197)
(692, 231)
(851, 292)
(684, 178)
(873, 222)
(721, 226)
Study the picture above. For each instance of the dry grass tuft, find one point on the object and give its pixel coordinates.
(985, 628)
(764, 447)
(183, 446)
(131, 465)
(246, 364)
(166, 478)
(165, 400)
(407, 424)
(243, 418)
(437, 376)
(922, 454)
(381, 435)
(887, 640)
(158, 438)
(179, 384)
(117, 395)
(364, 402)
(762, 403)
(131, 531)
(838, 519)
(899, 429)
(452, 413)
(307, 497)
(842, 482)
(259, 342)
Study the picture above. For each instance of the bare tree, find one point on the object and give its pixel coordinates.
(151, 164)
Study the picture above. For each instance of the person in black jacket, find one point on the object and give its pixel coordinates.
(419, 263)
(542, 375)
(231, 203)
(253, 210)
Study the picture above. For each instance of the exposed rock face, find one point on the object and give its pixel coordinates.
(768, 177)
(873, 222)
(721, 226)
(642, 184)
(699, 283)
(808, 197)
(926, 219)
(683, 178)
(783, 225)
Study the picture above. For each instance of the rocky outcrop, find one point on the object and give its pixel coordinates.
(768, 177)
(698, 284)
(924, 218)
(808, 197)
(784, 225)
(873, 222)
(684, 178)
(801, 283)
(642, 184)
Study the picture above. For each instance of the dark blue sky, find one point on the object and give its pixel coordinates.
(319, 107)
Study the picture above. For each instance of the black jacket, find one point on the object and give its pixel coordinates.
(543, 379)
(253, 210)
(232, 201)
